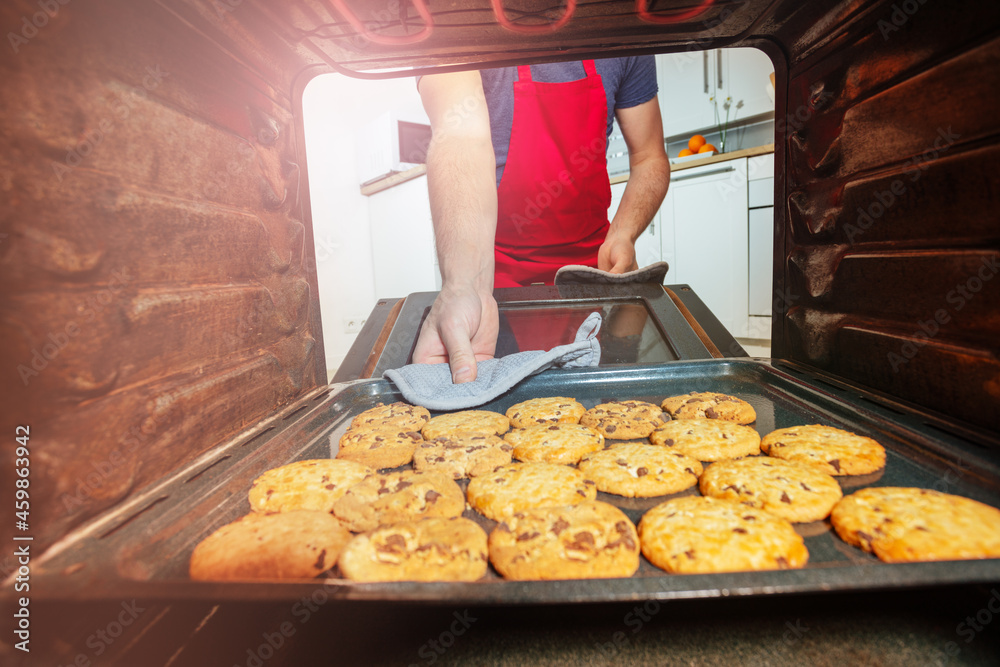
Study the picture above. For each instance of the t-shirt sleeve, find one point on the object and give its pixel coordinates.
(638, 84)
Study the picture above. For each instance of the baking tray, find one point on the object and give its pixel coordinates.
(143, 548)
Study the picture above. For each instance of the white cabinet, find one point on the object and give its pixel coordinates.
(689, 80)
(685, 87)
(403, 240)
(760, 177)
(647, 246)
(707, 210)
(745, 77)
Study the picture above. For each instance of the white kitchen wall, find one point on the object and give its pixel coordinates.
(334, 106)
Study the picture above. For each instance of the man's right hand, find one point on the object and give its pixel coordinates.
(461, 329)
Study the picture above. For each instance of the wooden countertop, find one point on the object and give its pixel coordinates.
(711, 159)
(402, 176)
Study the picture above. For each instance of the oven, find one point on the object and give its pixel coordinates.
(163, 346)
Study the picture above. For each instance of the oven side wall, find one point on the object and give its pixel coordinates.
(888, 257)
(158, 293)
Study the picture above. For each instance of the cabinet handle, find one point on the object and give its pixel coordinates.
(718, 65)
(721, 170)
(704, 69)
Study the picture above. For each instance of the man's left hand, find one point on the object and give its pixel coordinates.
(617, 255)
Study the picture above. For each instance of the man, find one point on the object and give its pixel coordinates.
(519, 186)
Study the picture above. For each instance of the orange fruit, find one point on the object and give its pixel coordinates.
(695, 143)
(685, 152)
(707, 148)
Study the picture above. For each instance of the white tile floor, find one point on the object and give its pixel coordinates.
(756, 347)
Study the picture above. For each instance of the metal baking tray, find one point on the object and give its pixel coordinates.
(143, 548)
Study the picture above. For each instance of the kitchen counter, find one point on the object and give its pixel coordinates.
(396, 178)
(711, 159)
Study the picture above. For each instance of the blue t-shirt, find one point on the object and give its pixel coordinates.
(628, 82)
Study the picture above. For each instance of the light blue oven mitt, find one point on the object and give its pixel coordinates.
(430, 385)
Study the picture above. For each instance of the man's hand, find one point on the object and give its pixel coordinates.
(463, 324)
(461, 329)
(617, 254)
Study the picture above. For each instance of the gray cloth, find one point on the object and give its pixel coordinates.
(576, 274)
(430, 385)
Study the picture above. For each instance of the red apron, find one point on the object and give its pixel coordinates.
(554, 195)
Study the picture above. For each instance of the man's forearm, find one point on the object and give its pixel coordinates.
(461, 181)
(644, 193)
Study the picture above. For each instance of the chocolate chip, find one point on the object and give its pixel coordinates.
(523, 537)
(711, 413)
(621, 462)
(610, 428)
(269, 492)
(864, 537)
(835, 463)
(689, 553)
(581, 540)
(559, 525)
(553, 428)
(805, 486)
(402, 485)
(692, 400)
(506, 448)
(439, 459)
(690, 471)
(431, 496)
(785, 498)
(749, 517)
(393, 543)
(742, 531)
(669, 442)
(320, 562)
(330, 487)
(582, 492)
(641, 472)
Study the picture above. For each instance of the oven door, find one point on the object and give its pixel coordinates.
(643, 324)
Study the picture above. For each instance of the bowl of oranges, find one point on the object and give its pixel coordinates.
(697, 148)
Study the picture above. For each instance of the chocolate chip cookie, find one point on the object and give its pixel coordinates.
(548, 410)
(315, 484)
(707, 439)
(795, 491)
(520, 486)
(462, 455)
(835, 451)
(284, 545)
(399, 496)
(554, 443)
(636, 470)
(709, 405)
(900, 524)
(699, 535)
(590, 539)
(624, 420)
(426, 550)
